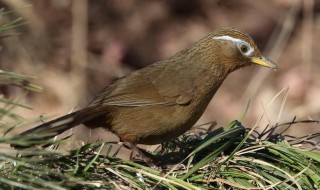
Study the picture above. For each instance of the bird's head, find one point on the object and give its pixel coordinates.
(234, 49)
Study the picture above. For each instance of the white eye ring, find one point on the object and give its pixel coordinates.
(247, 51)
(245, 48)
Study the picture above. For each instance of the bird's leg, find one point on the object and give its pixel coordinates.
(129, 140)
(145, 158)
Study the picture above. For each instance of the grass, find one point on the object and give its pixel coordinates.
(191, 162)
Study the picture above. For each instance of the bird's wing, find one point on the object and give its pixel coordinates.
(158, 84)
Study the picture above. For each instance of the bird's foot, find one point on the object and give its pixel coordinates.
(145, 158)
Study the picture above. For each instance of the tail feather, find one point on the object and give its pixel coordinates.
(59, 125)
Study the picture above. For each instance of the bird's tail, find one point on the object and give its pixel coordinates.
(55, 127)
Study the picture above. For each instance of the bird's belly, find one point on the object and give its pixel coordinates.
(154, 124)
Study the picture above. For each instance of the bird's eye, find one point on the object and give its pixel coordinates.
(244, 49)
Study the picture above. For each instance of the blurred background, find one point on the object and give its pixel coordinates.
(74, 48)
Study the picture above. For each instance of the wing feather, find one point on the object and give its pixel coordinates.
(163, 83)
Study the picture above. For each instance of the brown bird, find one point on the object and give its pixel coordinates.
(163, 100)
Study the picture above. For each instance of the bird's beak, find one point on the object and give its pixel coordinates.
(264, 62)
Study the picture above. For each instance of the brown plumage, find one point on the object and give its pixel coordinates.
(163, 100)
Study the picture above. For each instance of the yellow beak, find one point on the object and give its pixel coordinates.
(264, 62)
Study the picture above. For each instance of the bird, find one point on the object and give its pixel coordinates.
(163, 100)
